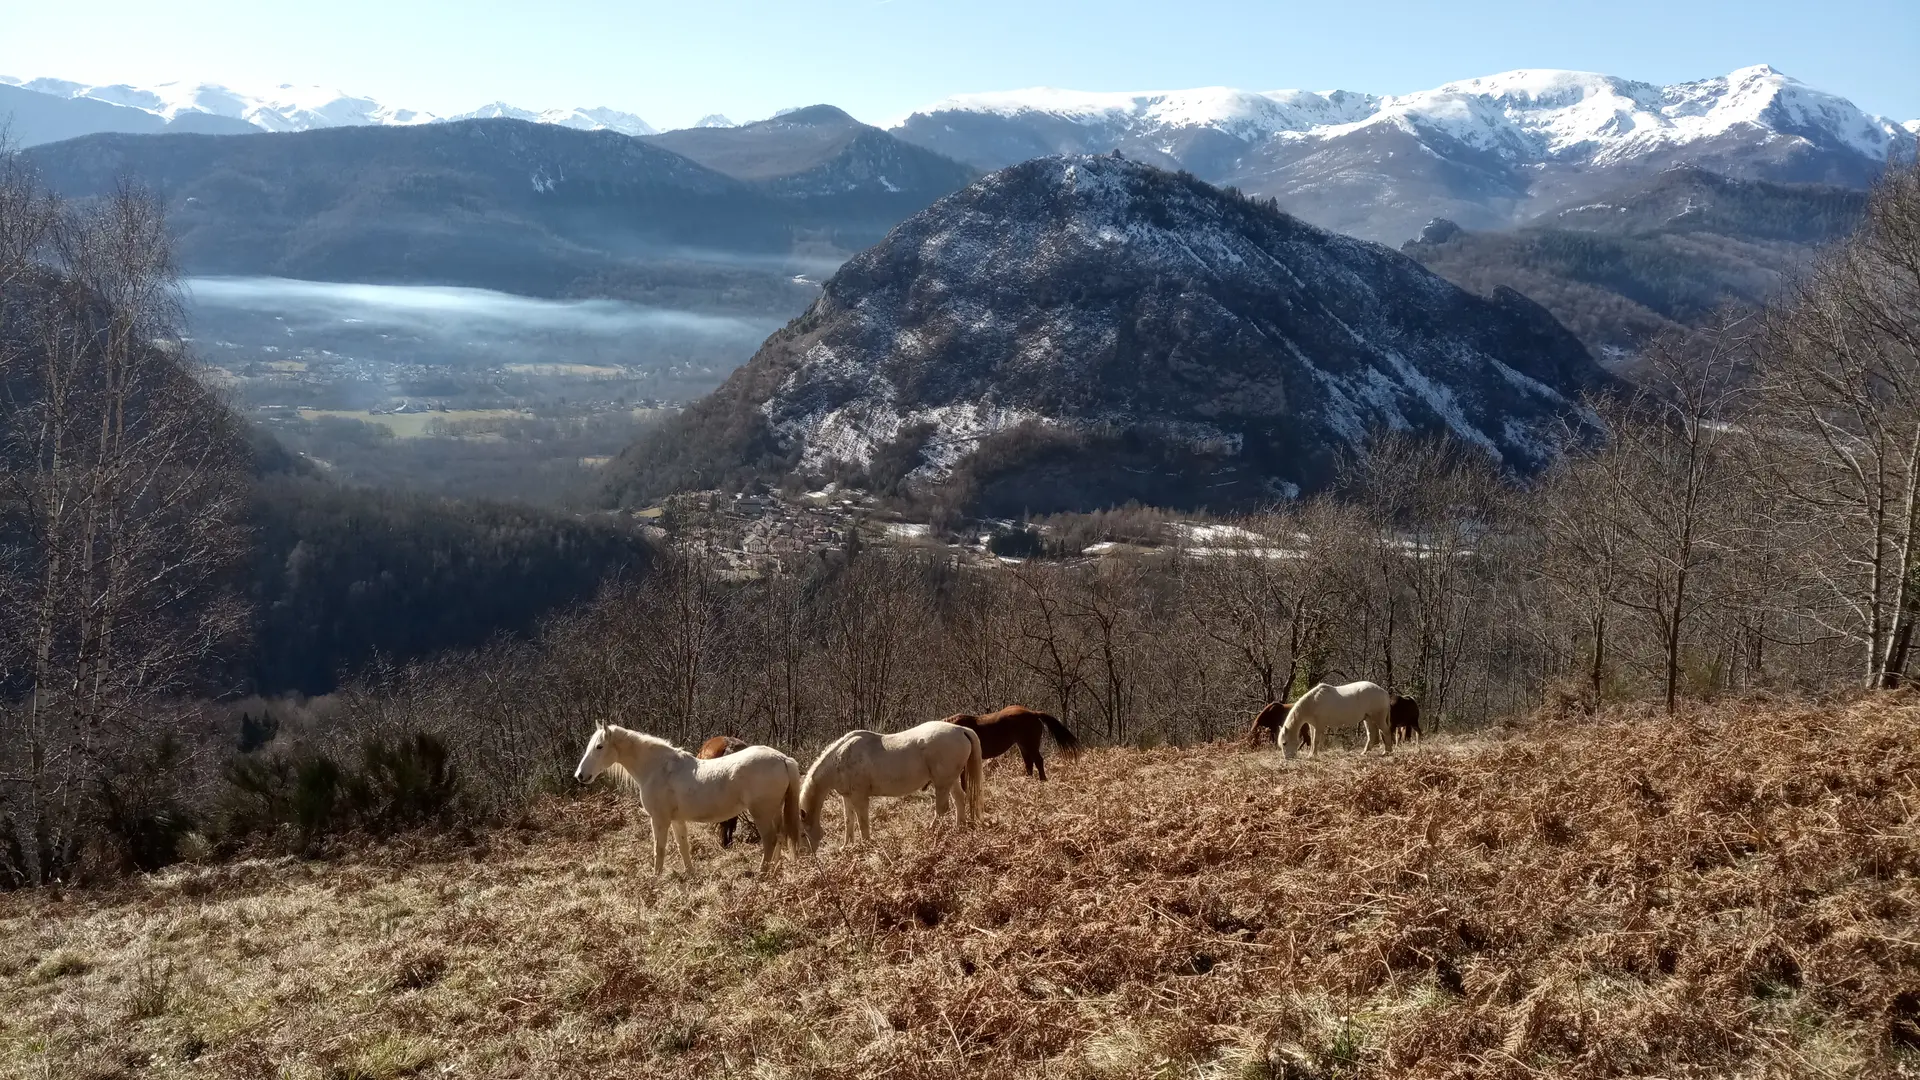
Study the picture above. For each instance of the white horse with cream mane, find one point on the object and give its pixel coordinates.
(675, 787)
(1339, 710)
(862, 764)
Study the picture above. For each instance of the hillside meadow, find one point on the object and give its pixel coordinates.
(1731, 891)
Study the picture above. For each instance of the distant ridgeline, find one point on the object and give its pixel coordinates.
(1075, 332)
(523, 207)
(1630, 264)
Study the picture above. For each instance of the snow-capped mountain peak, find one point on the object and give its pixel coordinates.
(290, 107)
(1528, 113)
(600, 119)
(1244, 113)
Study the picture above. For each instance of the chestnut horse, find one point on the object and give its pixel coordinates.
(1017, 725)
(1266, 725)
(721, 746)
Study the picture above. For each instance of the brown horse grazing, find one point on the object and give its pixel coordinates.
(721, 746)
(1017, 725)
(1266, 726)
(1403, 718)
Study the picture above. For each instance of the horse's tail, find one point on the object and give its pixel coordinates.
(970, 788)
(1069, 742)
(790, 808)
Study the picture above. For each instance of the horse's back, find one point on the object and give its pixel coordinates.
(746, 761)
(933, 732)
(720, 746)
(1404, 712)
(1361, 692)
(1011, 714)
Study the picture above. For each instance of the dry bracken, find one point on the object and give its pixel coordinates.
(1729, 892)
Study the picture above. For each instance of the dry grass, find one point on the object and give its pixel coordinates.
(1731, 893)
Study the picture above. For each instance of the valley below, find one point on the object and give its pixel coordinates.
(452, 390)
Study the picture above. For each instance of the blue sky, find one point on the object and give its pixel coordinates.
(673, 63)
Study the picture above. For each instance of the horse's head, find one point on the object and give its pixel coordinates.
(811, 828)
(599, 755)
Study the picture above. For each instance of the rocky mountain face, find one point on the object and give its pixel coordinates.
(817, 151)
(1660, 257)
(1486, 153)
(1077, 331)
(846, 181)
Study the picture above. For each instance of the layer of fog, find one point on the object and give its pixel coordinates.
(359, 345)
(452, 311)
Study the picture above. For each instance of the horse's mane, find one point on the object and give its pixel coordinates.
(830, 757)
(627, 736)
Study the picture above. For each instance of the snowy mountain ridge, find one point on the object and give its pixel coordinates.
(1532, 114)
(303, 108)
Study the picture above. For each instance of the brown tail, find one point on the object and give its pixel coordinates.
(790, 808)
(1069, 742)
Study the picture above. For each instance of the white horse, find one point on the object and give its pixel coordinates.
(675, 787)
(862, 764)
(1329, 710)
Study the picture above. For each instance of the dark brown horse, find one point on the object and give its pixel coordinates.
(716, 747)
(1403, 718)
(1266, 726)
(1017, 725)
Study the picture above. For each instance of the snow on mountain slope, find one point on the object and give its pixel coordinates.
(714, 120)
(281, 108)
(601, 119)
(1241, 113)
(1187, 343)
(1528, 114)
(303, 108)
(1575, 114)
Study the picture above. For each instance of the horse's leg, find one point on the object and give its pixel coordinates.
(860, 810)
(1366, 735)
(846, 811)
(686, 846)
(769, 843)
(660, 828)
(1034, 760)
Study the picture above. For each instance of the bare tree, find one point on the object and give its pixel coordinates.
(1839, 427)
(121, 504)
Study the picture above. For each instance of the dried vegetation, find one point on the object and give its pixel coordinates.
(1729, 892)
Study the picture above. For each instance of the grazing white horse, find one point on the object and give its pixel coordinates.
(1329, 709)
(675, 787)
(862, 764)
